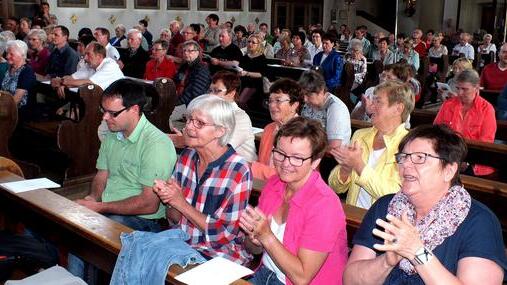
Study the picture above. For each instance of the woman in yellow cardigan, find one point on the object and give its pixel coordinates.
(366, 167)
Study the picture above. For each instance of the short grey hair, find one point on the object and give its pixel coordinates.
(192, 43)
(121, 27)
(220, 111)
(487, 36)
(39, 33)
(469, 76)
(3, 45)
(225, 31)
(19, 46)
(179, 24)
(312, 82)
(166, 30)
(136, 32)
(8, 35)
(356, 44)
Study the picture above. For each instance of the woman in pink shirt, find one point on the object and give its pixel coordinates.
(299, 224)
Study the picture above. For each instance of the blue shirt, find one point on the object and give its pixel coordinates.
(479, 235)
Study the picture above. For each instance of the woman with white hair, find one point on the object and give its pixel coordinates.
(211, 183)
(19, 78)
(39, 54)
(487, 46)
(358, 60)
(165, 35)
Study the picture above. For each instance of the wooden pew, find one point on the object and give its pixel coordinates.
(162, 103)
(8, 121)
(90, 235)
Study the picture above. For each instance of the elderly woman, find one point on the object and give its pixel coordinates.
(326, 108)
(437, 50)
(39, 55)
(119, 37)
(330, 62)
(487, 46)
(211, 183)
(19, 78)
(298, 54)
(253, 64)
(469, 114)
(159, 65)
(226, 85)
(277, 46)
(408, 54)
(358, 60)
(284, 51)
(165, 34)
(366, 168)
(383, 53)
(285, 102)
(304, 240)
(432, 231)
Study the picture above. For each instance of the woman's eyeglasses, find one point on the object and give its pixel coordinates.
(415, 157)
(198, 124)
(293, 160)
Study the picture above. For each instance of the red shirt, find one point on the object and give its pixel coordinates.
(492, 78)
(421, 49)
(478, 123)
(165, 69)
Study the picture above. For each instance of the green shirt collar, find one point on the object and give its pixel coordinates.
(134, 136)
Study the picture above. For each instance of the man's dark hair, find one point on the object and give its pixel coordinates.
(401, 36)
(329, 37)
(104, 31)
(84, 31)
(241, 29)
(131, 92)
(263, 24)
(163, 44)
(15, 19)
(214, 17)
(64, 30)
(44, 4)
(384, 39)
(144, 23)
(85, 39)
(320, 32)
(98, 49)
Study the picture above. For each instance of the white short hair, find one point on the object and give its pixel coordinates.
(220, 111)
(39, 33)
(10, 36)
(19, 46)
(136, 32)
(3, 44)
(121, 27)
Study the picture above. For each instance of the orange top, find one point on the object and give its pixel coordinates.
(263, 168)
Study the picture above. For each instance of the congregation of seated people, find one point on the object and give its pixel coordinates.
(195, 185)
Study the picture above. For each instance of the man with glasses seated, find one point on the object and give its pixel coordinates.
(131, 157)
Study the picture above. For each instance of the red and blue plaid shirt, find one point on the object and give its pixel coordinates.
(221, 193)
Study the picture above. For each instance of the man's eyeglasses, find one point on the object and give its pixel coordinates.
(293, 160)
(113, 114)
(198, 124)
(415, 157)
(189, 50)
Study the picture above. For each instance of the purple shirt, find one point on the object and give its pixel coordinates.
(315, 221)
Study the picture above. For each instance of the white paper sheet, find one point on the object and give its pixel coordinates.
(218, 271)
(55, 275)
(257, 130)
(28, 185)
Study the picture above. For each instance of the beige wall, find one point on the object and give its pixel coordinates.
(94, 17)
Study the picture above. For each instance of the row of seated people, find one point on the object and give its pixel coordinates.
(299, 224)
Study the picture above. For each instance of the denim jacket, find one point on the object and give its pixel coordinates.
(145, 257)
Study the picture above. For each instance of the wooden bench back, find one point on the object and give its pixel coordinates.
(8, 121)
(80, 140)
(163, 102)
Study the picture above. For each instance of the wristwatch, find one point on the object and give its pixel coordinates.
(422, 256)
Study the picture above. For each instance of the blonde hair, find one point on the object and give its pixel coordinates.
(465, 63)
(398, 92)
(260, 47)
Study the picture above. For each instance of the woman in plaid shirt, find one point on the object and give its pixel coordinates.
(211, 183)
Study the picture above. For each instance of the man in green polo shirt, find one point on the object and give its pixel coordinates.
(131, 157)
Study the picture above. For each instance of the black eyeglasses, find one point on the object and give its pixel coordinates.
(113, 114)
(415, 157)
(293, 160)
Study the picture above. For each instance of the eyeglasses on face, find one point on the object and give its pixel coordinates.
(277, 101)
(293, 160)
(415, 157)
(252, 42)
(189, 50)
(113, 114)
(216, 90)
(198, 124)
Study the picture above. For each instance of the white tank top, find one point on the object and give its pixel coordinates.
(364, 198)
(278, 231)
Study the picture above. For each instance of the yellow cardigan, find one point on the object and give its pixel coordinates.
(379, 181)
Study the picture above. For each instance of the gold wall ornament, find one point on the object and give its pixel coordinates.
(73, 19)
(112, 19)
(233, 20)
(147, 19)
(178, 18)
(257, 20)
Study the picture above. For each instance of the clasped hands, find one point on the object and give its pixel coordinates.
(255, 224)
(350, 157)
(401, 239)
(169, 192)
